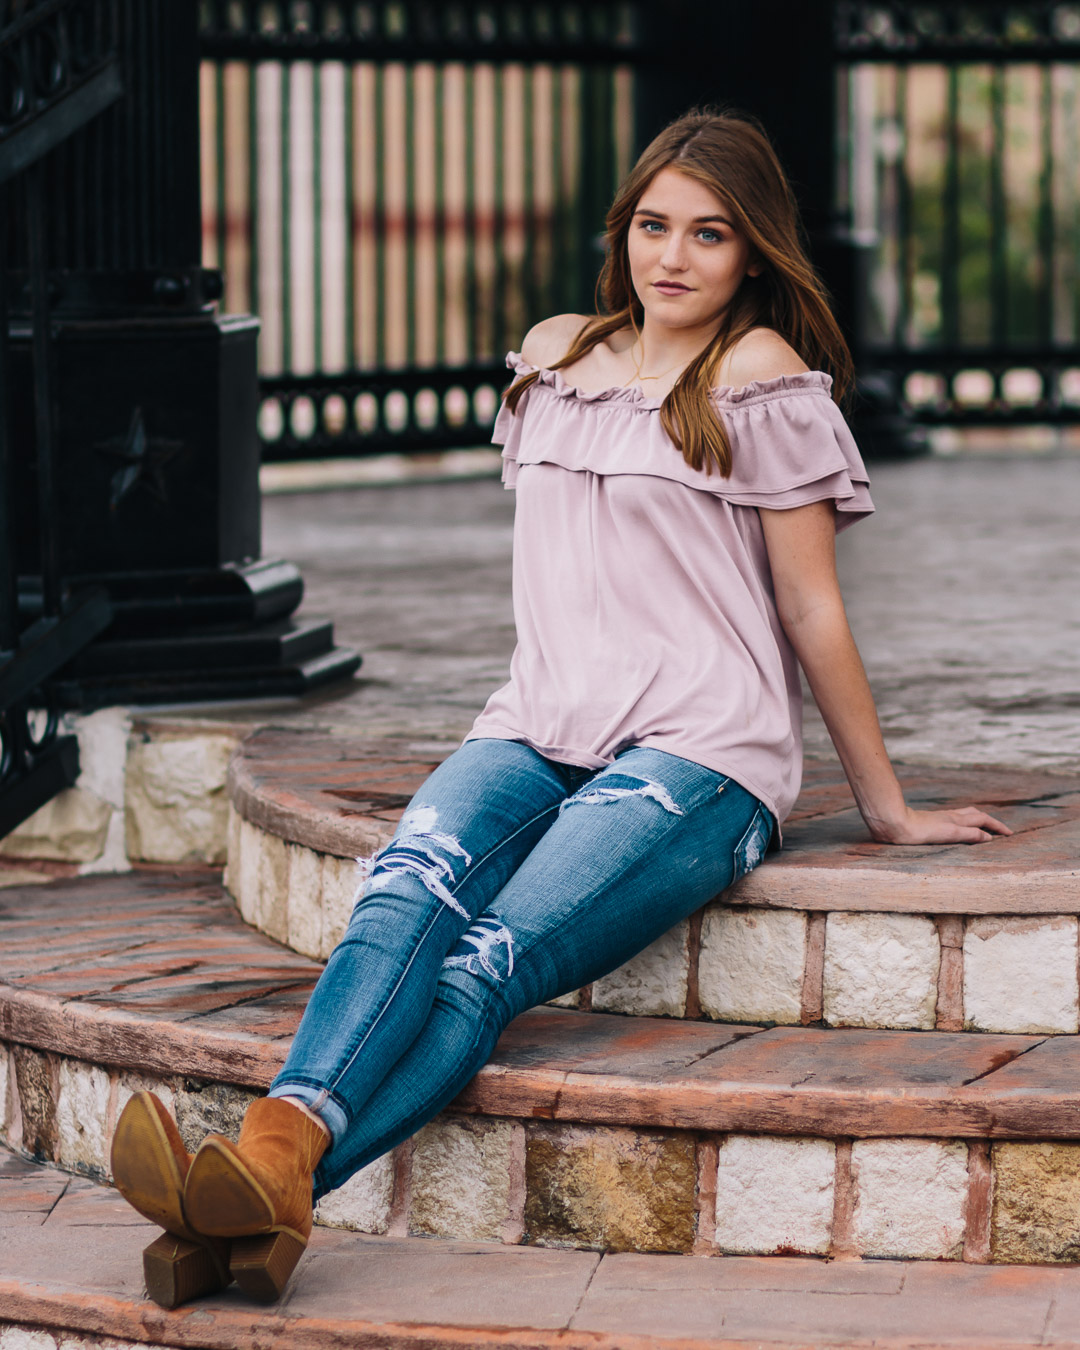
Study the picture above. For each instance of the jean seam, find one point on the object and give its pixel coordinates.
(423, 1114)
(299, 1080)
(438, 909)
(470, 872)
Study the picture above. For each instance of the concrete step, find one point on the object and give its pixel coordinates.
(835, 928)
(71, 1279)
(586, 1130)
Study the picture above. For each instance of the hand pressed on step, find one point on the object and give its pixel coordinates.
(964, 825)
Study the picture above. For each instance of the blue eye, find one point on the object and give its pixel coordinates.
(709, 236)
(648, 225)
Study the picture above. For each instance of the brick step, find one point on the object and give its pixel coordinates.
(70, 1276)
(70, 1279)
(586, 1130)
(832, 929)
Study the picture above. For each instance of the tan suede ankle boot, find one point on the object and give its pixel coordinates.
(150, 1165)
(258, 1192)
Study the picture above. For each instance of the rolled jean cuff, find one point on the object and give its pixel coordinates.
(319, 1101)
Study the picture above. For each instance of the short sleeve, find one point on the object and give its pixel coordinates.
(791, 446)
(507, 433)
(789, 442)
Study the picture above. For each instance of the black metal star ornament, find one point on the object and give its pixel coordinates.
(143, 459)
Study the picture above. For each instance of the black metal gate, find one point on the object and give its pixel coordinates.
(961, 156)
(399, 189)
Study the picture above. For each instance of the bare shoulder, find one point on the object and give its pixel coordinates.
(762, 354)
(550, 339)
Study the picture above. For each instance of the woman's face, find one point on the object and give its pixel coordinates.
(687, 259)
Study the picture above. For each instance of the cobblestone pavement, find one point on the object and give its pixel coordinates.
(962, 593)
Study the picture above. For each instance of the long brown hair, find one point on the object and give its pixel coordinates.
(730, 154)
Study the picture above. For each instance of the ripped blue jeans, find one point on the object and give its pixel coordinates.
(511, 879)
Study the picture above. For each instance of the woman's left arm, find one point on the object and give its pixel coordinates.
(802, 557)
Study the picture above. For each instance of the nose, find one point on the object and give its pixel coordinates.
(673, 258)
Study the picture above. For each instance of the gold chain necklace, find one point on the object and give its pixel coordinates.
(637, 375)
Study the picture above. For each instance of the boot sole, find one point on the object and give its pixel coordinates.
(145, 1170)
(181, 1264)
(223, 1198)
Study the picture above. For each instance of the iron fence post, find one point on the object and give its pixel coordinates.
(9, 623)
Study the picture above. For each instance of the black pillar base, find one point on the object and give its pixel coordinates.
(157, 454)
(276, 660)
(157, 502)
(184, 636)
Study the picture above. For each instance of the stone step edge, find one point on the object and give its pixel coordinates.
(949, 890)
(714, 1189)
(137, 1044)
(731, 963)
(196, 1328)
(126, 1323)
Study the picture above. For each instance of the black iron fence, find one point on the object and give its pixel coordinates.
(961, 160)
(400, 189)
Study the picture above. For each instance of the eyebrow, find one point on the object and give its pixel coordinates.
(698, 220)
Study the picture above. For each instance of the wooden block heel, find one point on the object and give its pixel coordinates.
(176, 1270)
(261, 1265)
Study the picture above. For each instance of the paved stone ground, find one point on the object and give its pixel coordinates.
(69, 1251)
(962, 593)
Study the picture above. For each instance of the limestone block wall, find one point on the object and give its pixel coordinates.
(149, 790)
(615, 1188)
(745, 963)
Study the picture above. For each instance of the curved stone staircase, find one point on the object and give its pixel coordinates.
(831, 930)
(856, 1052)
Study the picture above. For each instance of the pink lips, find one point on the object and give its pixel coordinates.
(670, 287)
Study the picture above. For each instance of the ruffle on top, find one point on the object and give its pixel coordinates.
(789, 442)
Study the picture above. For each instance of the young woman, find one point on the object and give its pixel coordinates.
(681, 471)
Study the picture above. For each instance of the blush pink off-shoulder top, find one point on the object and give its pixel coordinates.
(642, 592)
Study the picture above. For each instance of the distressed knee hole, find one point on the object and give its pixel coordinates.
(493, 950)
(646, 787)
(418, 849)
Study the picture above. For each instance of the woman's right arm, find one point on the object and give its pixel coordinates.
(802, 560)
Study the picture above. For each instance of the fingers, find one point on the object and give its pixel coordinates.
(992, 824)
(965, 825)
(972, 816)
(971, 836)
